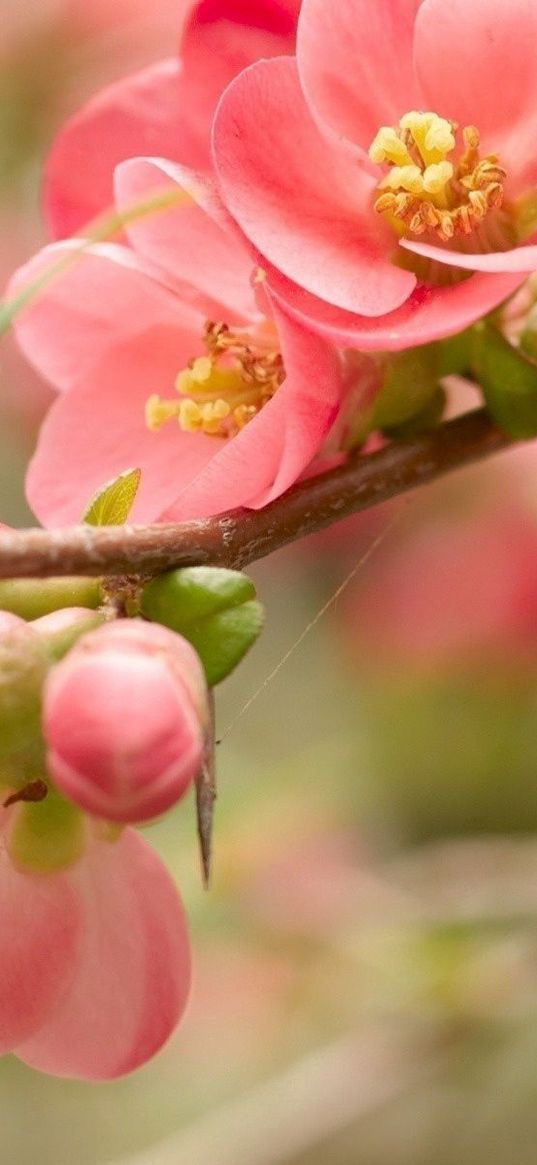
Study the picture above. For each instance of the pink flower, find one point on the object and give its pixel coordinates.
(362, 203)
(122, 325)
(93, 941)
(164, 110)
(95, 958)
(124, 718)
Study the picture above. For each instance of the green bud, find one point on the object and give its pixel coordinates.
(215, 609)
(47, 836)
(30, 598)
(24, 664)
(508, 381)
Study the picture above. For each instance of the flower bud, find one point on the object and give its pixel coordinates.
(124, 719)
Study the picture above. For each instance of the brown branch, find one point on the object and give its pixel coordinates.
(237, 538)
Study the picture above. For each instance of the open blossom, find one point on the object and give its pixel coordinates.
(93, 942)
(164, 110)
(131, 750)
(388, 173)
(172, 358)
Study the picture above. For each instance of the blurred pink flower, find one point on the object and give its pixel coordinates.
(132, 750)
(165, 110)
(460, 589)
(118, 326)
(328, 164)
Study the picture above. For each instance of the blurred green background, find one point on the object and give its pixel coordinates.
(366, 960)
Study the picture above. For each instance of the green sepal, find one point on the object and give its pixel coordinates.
(421, 422)
(215, 609)
(47, 836)
(508, 381)
(410, 383)
(112, 504)
(528, 339)
(58, 643)
(30, 598)
(24, 663)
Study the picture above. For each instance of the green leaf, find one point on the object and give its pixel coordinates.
(222, 640)
(508, 381)
(111, 506)
(215, 609)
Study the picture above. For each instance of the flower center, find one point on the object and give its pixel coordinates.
(435, 182)
(224, 389)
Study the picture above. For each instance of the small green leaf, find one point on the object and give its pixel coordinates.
(223, 640)
(215, 609)
(508, 381)
(112, 504)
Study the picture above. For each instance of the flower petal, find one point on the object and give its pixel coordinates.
(355, 63)
(188, 242)
(301, 198)
(431, 313)
(477, 64)
(223, 38)
(520, 259)
(40, 928)
(132, 975)
(101, 298)
(138, 115)
(273, 450)
(98, 430)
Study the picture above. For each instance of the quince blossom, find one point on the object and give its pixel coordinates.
(173, 358)
(165, 109)
(392, 157)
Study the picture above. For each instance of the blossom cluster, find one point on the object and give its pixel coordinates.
(306, 193)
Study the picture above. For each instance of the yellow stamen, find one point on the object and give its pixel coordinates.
(433, 135)
(224, 389)
(424, 190)
(389, 146)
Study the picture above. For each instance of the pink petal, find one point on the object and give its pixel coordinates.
(272, 451)
(355, 63)
(104, 297)
(477, 63)
(222, 39)
(40, 928)
(138, 115)
(187, 242)
(431, 313)
(520, 259)
(132, 975)
(300, 198)
(97, 430)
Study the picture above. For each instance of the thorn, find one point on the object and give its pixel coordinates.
(206, 797)
(33, 791)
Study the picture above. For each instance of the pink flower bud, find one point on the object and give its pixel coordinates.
(124, 719)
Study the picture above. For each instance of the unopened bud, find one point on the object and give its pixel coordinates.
(124, 719)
